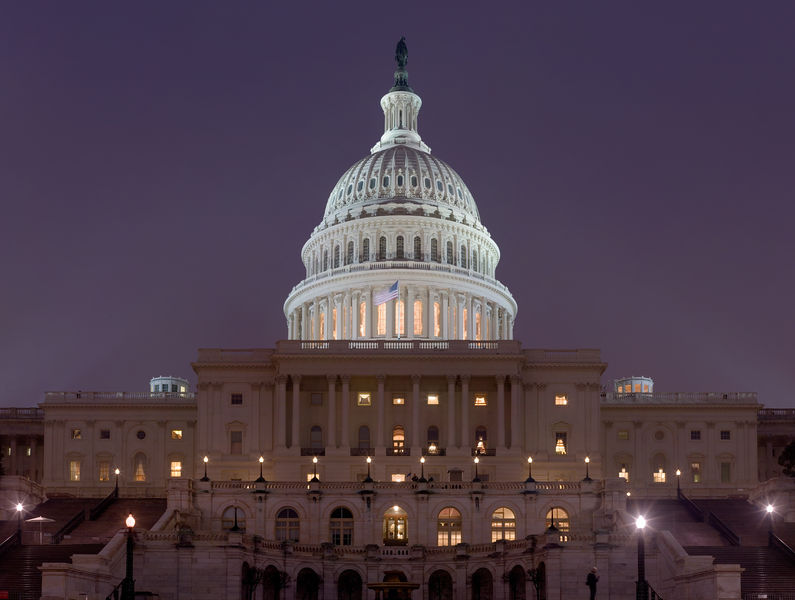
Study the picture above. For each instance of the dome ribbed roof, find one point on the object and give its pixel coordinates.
(400, 173)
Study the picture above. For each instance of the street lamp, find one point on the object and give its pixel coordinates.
(476, 461)
(368, 479)
(314, 469)
(678, 489)
(422, 469)
(529, 470)
(641, 587)
(128, 585)
(205, 478)
(587, 472)
(769, 509)
(116, 473)
(20, 508)
(260, 479)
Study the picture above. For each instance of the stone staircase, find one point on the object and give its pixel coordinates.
(747, 520)
(767, 570)
(145, 510)
(19, 575)
(675, 517)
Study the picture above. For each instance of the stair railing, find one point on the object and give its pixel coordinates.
(12, 541)
(70, 526)
(652, 594)
(776, 542)
(103, 504)
(690, 505)
(116, 593)
(724, 529)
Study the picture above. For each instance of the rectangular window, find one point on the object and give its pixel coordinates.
(77, 434)
(176, 468)
(645, 387)
(418, 317)
(623, 435)
(104, 470)
(398, 400)
(725, 472)
(455, 475)
(316, 399)
(481, 400)
(176, 434)
(560, 443)
(364, 399)
(478, 335)
(561, 400)
(237, 398)
(236, 438)
(322, 333)
(433, 399)
(659, 476)
(173, 388)
(28, 451)
(381, 328)
(334, 323)
(695, 434)
(623, 473)
(725, 434)
(74, 470)
(695, 472)
(637, 388)
(398, 478)
(362, 317)
(104, 434)
(465, 327)
(437, 320)
(400, 320)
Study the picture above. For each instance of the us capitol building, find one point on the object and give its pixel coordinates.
(399, 443)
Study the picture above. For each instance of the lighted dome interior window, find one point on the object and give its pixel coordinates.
(427, 183)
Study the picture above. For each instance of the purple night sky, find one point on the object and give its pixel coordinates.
(162, 164)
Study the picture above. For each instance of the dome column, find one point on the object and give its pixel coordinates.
(445, 309)
(409, 312)
(460, 322)
(281, 411)
(355, 316)
(305, 333)
(368, 316)
(338, 308)
(345, 401)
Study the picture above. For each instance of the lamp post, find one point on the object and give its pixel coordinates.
(368, 479)
(529, 470)
(116, 473)
(314, 469)
(422, 470)
(769, 509)
(260, 479)
(641, 587)
(476, 461)
(205, 478)
(128, 585)
(20, 508)
(678, 488)
(587, 472)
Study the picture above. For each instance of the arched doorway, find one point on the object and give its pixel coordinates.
(307, 585)
(349, 586)
(517, 584)
(440, 586)
(482, 584)
(538, 577)
(271, 584)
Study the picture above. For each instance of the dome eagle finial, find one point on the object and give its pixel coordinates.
(401, 75)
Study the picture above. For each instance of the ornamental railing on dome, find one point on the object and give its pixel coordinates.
(370, 346)
(681, 398)
(403, 264)
(119, 397)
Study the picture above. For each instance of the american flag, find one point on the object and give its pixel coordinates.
(386, 296)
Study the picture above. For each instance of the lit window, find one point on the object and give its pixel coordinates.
(437, 319)
(400, 321)
(104, 434)
(341, 526)
(104, 470)
(695, 472)
(182, 389)
(232, 516)
(398, 400)
(398, 439)
(561, 400)
(28, 451)
(362, 317)
(236, 442)
(395, 527)
(477, 326)
(623, 434)
(637, 387)
(725, 472)
(237, 398)
(448, 527)
(480, 400)
(645, 387)
(176, 468)
(74, 470)
(176, 434)
(623, 473)
(334, 323)
(503, 524)
(322, 333)
(287, 525)
(398, 478)
(466, 325)
(364, 399)
(139, 474)
(311, 476)
(559, 518)
(418, 317)
(659, 476)
(695, 434)
(77, 434)
(725, 434)
(560, 443)
(381, 329)
(433, 399)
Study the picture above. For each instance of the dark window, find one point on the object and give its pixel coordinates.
(417, 248)
(386, 180)
(450, 253)
(474, 261)
(316, 399)
(236, 439)
(140, 435)
(365, 249)
(433, 435)
(316, 437)
(435, 250)
(349, 254)
(463, 257)
(174, 388)
(413, 181)
(104, 434)
(382, 248)
(455, 474)
(325, 260)
(427, 183)
(336, 256)
(695, 434)
(341, 526)
(364, 437)
(359, 186)
(400, 180)
(399, 247)
(725, 434)
(439, 185)
(237, 398)
(287, 525)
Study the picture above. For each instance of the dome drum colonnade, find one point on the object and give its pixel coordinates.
(400, 215)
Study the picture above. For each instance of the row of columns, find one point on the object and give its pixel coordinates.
(495, 322)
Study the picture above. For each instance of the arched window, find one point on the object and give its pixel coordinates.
(382, 248)
(287, 525)
(364, 438)
(559, 518)
(316, 437)
(139, 467)
(325, 260)
(398, 439)
(448, 527)
(341, 527)
(365, 250)
(399, 251)
(336, 256)
(396, 527)
(481, 439)
(503, 524)
(463, 257)
(474, 260)
(435, 250)
(417, 248)
(349, 254)
(450, 253)
(228, 519)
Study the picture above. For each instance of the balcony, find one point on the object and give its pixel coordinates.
(418, 346)
(674, 398)
(437, 451)
(362, 451)
(313, 451)
(398, 451)
(484, 451)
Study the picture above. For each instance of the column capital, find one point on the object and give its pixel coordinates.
(281, 379)
(452, 379)
(331, 379)
(345, 379)
(464, 379)
(500, 379)
(380, 378)
(516, 380)
(415, 379)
